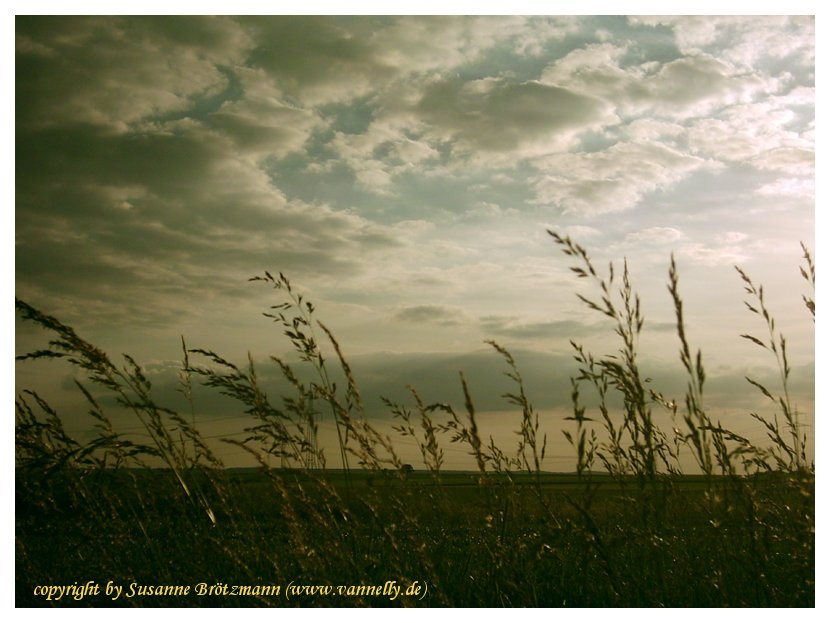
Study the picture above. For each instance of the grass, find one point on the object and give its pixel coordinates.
(627, 528)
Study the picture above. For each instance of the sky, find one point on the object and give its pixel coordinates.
(404, 172)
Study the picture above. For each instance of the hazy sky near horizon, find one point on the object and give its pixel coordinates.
(403, 171)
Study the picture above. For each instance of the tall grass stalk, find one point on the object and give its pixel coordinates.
(789, 453)
(629, 527)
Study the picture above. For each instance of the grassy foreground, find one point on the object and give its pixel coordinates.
(98, 523)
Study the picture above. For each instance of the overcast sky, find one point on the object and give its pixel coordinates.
(403, 173)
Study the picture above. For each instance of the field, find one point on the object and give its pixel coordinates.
(116, 522)
(563, 541)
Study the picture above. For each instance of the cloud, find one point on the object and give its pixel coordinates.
(581, 232)
(655, 235)
(149, 225)
(406, 165)
(652, 245)
(714, 254)
(448, 124)
(389, 147)
(690, 86)
(697, 85)
(789, 187)
(731, 237)
(742, 39)
(682, 115)
(431, 314)
(503, 115)
(512, 327)
(317, 59)
(737, 135)
(321, 60)
(649, 129)
(788, 160)
(261, 123)
(612, 180)
(535, 34)
(114, 71)
(436, 378)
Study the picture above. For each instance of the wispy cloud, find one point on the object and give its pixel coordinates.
(431, 314)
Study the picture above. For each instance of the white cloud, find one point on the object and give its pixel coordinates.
(385, 150)
(261, 122)
(787, 160)
(790, 187)
(655, 236)
(580, 232)
(683, 88)
(741, 39)
(612, 180)
(597, 64)
(714, 255)
(748, 132)
(731, 237)
(490, 210)
(649, 129)
(535, 33)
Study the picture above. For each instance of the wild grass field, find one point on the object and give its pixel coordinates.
(628, 526)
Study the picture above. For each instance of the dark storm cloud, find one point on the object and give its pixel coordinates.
(116, 70)
(132, 185)
(123, 216)
(435, 377)
(319, 56)
(116, 205)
